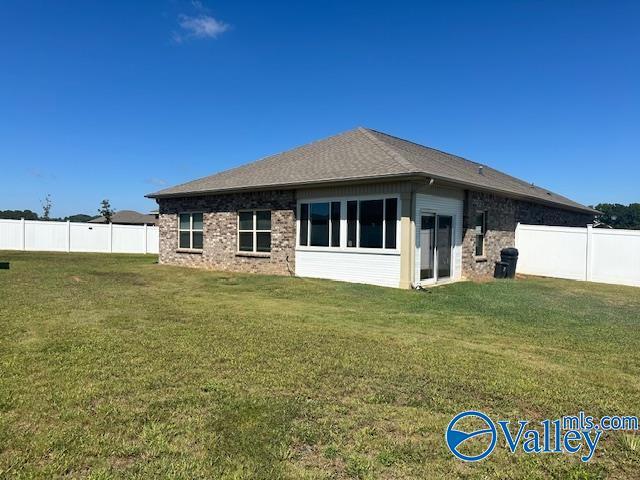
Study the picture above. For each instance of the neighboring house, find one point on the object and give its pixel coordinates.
(129, 217)
(362, 206)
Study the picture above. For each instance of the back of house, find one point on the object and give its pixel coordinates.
(361, 206)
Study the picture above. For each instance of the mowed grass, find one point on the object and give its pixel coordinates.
(115, 367)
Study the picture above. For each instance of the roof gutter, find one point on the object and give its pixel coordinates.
(281, 186)
(507, 193)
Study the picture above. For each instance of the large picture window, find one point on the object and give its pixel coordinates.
(304, 224)
(320, 224)
(254, 231)
(352, 223)
(391, 222)
(319, 217)
(190, 231)
(369, 223)
(335, 224)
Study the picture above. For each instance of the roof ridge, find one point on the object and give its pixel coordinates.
(390, 151)
(438, 160)
(427, 147)
(418, 144)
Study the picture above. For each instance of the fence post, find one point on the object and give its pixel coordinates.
(589, 252)
(145, 239)
(23, 242)
(68, 236)
(110, 237)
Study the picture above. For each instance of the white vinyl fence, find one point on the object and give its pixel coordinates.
(33, 235)
(591, 254)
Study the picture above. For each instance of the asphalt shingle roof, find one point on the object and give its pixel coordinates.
(362, 154)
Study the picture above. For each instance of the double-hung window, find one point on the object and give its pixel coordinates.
(254, 231)
(190, 230)
(480, 232)
(370, 223)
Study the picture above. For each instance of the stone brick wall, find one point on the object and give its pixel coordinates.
(220, 250)
(503, 214)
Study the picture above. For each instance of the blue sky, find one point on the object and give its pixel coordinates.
(116, 99)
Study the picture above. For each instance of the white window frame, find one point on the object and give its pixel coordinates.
(343, 224)
(190, 230)
(253, 230)
(483, 233)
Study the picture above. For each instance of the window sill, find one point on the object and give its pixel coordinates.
(479, 259)
(371, 251)
(254, 254)
(196, 251)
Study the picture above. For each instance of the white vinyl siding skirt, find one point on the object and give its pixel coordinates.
(357, 267)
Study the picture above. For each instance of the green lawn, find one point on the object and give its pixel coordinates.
(112, 366)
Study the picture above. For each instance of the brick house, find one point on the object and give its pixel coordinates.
(361, 206)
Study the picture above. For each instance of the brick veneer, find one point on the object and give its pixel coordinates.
(220, 231)
(502, 217)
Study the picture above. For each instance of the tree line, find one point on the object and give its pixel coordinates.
(616, 215)
(31, 215)
(105, 211)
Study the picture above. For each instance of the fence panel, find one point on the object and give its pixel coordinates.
(10, 234)
(153, 240)
(128, 239)
(45, 236)
(90, 237)
(32, 235)
(545, 249)
(598, 255)
(615, 256)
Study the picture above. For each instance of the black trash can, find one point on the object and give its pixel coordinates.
(501, 270)
(510, 257)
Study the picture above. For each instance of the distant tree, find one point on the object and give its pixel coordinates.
(18, 214)
(617, 215)
(46, 207)
(105, 210)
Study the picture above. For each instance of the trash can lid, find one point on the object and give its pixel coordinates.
(510, 252)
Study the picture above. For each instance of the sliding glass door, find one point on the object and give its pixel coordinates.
(436, 244)
(427, 247)
(444, 244)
